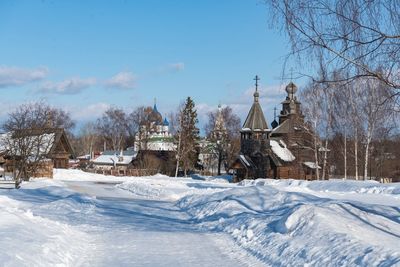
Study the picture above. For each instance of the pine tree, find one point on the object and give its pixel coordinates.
(189, 136)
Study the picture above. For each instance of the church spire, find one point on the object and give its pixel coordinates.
(219, 132)
(255, 120)
(155, 104)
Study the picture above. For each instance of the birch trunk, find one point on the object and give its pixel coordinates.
(366, 161)
(178, 155)
(316, 152)
(369, 138)
(325, 160)
(345, 155)
(356, 155)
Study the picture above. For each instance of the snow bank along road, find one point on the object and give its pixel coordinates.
(81, 219)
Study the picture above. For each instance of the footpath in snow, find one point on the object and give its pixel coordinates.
(82, 219)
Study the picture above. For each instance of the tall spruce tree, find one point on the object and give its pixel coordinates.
(189, 136)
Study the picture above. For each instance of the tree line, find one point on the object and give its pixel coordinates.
(354, 120)
(114, 130)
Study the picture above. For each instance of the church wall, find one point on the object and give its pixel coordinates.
(292, 171)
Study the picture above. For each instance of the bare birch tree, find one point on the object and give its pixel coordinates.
(312, 109)
(361, 38)
(113, 126)
(375, 114)
(342, 121)
(88, 138)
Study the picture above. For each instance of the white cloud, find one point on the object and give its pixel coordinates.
(239, 109)
(178, 66)
(202, 111)
(122, 80)
(169, 68)
(270, 97)
(14, 76)
(69, 86)
(268, 92)
(92, 111)
(6, 107)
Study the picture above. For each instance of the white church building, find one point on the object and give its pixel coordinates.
(154, 133)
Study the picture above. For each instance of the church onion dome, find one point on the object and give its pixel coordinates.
(155, 108)
(155, 116)
(291, 89)
(274, 124)
(256, 96)
(166, 122)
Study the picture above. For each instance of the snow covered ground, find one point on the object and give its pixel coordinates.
(83, 219)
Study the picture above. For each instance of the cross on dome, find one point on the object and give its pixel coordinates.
(256, 94)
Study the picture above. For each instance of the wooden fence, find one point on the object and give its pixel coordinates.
(128, 172)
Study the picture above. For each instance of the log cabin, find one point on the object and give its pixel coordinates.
(53, 150)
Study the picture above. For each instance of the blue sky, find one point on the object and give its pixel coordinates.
(85, 56)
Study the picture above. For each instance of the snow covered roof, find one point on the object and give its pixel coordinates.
(246, 161)
(115, 157)
(243, 158)
(280, 149)
(45, 141)
(4, 137)
(311, 165)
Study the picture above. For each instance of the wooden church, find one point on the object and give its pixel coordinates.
(282, 151)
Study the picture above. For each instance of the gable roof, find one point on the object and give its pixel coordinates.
(282, 128)
(48, 138)
(59, 136)
(246, 161)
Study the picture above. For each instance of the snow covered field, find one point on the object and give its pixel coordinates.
(82, 219)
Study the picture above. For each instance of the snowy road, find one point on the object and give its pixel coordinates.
(142, 232)
(97, 224)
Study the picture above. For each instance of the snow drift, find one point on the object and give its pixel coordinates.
(291, 222)
(28, 239)
(340, 186)
(293, 229)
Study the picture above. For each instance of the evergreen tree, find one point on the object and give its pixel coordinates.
(188, 136)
